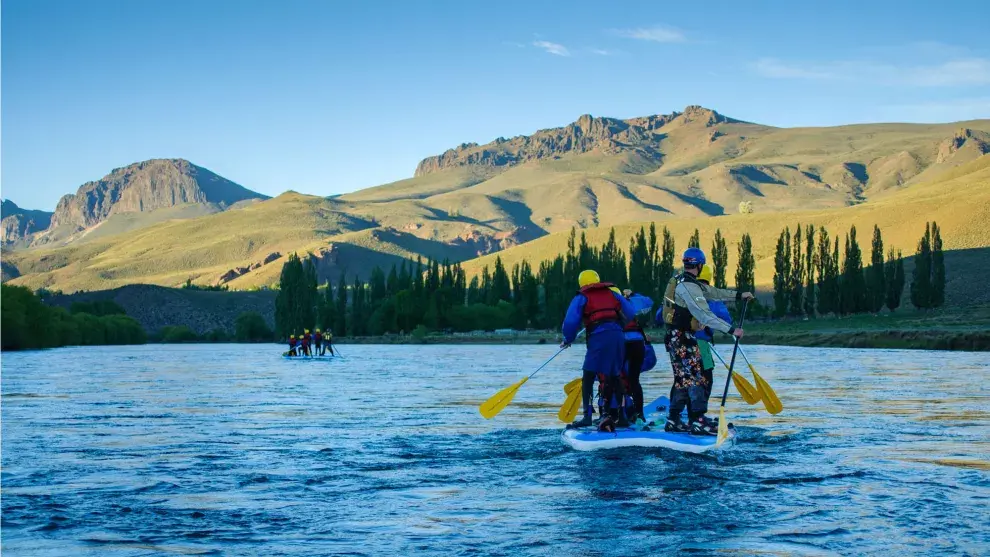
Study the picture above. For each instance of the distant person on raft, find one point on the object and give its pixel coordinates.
(318, 343)
(684, 311)
(292, 345)
(602, 311)
(328, 342)
(306, 340)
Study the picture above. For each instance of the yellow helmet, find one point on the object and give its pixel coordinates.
(588, 277)
(706, 273)
(317, 330)
(292, 336)
(306, 331)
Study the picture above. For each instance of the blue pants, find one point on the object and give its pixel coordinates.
(604, 358)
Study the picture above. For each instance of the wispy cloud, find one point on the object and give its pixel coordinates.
(553, 48)
(657, 34)
(948, 73)
(602, 51)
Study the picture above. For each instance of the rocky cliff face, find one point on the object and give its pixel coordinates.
(588, 133)
(18, 224)
(146, 186)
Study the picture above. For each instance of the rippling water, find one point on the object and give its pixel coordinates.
(230, 450)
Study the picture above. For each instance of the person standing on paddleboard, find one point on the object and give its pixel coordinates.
(635, 351)
(685, 310)
(705, 335)
(601, 309)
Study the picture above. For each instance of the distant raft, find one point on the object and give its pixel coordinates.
(590, 439)
(307, 358)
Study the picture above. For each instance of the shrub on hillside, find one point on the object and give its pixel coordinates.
(177, 333)
(250, 326)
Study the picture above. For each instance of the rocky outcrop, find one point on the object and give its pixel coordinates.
(19, 224)
(608, 135)
(978, 141)
(241, 271)
(146, 186)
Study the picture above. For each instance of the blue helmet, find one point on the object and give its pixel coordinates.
(694, 256)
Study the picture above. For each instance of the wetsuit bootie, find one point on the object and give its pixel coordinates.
(676, 426)
(583, 422)
(703, 426)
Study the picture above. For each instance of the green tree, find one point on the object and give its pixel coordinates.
(876, 283)
(668, 255)
(894, 274)
(640, 271)
(746, 271)
(695, 240)
(501, 288)
(720, 259)
(250, 326)
(853, 282)
(340, 311)
(781, 274)
(796, 282)
(921, 278)
(809, 271)
(938, 268)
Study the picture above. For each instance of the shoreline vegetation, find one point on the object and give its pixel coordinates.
(918, 330)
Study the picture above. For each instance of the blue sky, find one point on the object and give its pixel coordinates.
(328, 97)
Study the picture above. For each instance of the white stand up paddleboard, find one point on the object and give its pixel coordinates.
(590, 439)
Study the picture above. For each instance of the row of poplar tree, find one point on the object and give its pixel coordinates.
(809, 281)
(436, 295)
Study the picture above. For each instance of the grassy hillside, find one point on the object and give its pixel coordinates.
(959, 202)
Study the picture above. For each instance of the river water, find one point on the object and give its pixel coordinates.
(231, 450)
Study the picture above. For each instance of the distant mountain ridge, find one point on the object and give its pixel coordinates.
(140, 188)
(19, 223)
(608, 135)
(146, 186)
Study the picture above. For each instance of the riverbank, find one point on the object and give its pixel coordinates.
(921, 330)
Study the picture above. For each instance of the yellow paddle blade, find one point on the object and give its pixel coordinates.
(746, 389)
(491, 407)
(723, 427)
(569, 410)
(770, 400)
(571, 385)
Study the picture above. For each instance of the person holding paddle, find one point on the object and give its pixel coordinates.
(685, 310)
(705, 335)
(601, 310)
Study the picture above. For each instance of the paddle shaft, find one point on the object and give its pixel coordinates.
(581, 332)
(735, 349)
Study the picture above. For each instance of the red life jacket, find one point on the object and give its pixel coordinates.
(318, 337)
(307, 338)
(601, 307)
(633, 326)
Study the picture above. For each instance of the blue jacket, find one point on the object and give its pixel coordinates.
(720, 311)
(640, 303)
(572, 320)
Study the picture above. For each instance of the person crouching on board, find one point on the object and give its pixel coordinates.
(293, 343)
(685, 310)
(603, 312)
(635, 351)
(317, 342)
(705, 335)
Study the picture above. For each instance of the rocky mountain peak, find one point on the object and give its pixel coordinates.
(146, 186)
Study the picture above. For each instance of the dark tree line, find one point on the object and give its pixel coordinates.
(813, 282)
(810, 278)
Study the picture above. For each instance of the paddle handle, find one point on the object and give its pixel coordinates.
(735, 348)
